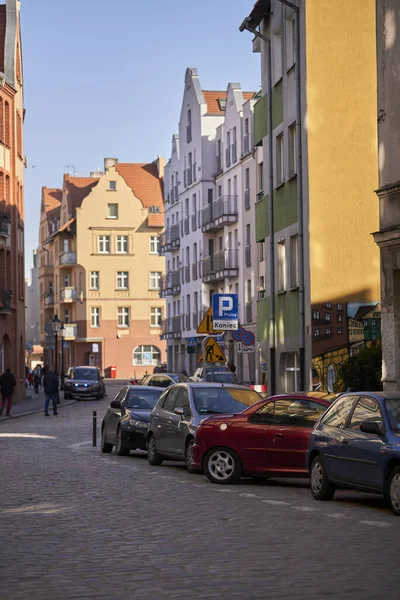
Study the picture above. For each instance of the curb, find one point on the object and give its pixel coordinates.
(32, 412)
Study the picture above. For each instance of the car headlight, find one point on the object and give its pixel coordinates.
(138, 424)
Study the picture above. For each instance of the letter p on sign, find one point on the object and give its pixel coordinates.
(225, 304)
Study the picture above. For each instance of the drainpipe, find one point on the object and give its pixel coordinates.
(272, 324)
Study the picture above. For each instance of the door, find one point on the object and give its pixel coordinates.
(164, 421)
(113, 417)
(358, 453)
(330, 432)
(287, 437)
(179, 428)
(250, 438)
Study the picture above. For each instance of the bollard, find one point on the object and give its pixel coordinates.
(95, 428)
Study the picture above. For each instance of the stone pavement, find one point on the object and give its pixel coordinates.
(78, 524)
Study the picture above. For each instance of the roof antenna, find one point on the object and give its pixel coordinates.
(74, 170)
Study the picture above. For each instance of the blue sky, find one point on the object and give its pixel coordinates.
(106, 79)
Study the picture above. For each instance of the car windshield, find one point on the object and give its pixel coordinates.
(393, 411)
(221, 377)
(142, 399)
(210, 400)
(179, 378)
(89, 374)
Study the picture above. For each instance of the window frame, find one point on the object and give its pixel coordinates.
(281, 271)
(112, 185)
(106, 240)
(97, 286)
(354, 408)
(122, 276)
(122, 240)
(96, 315)
(109, 205)
(156, 308)
(154, 240)
(159, 273)
(123, 308)
(334, 406)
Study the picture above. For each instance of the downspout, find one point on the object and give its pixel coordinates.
(299, 135)
(272, 324)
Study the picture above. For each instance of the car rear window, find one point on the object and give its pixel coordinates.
(211, 400)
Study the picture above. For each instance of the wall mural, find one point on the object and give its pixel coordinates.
(339, 331)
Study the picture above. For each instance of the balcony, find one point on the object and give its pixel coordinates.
(247, 256)
(175, 237)
(187, 274)
(176, 327)
(223, 211)
(186, 319)
(68, 294)
(68, 258)
(49, 300)
(194, 222)
(260, 196)
(248, 313)
(166, 328)
(220, 265)
(46, 270)
(170, 239)
(5, 302)
(194, 271)
(71, 331)
(4, 225)
(247, 199)
(170, 284)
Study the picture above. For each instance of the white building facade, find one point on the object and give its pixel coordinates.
(209, 196)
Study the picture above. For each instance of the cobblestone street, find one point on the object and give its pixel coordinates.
(76, 524)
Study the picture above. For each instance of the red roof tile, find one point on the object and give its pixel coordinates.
(144, 181)
(211, 98)
(77, 189)
(3, 20)
(248, 95)
(51, 198)
(155, 220)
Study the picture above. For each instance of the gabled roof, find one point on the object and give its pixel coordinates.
(144, 181)
(212, 100)
(52, 198)
(77, 189)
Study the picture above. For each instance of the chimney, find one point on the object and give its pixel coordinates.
(96, 174)
(109, 162)
(160, 162)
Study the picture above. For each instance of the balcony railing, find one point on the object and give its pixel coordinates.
(219, 163)
(220, 265)
(71, 331)
(5, 302)
(46, 270)
(170, 283)
(234, 152)
(177, 326)
(175, 237)
(261, 295)
(248, 313)
(223, 211)
(246, 143)
(170, 239)
(247, 256)
(194, 221)
(171, 327)
(166, 327)
(194, 271)
(260, 196)
(68, 294)
(68, 258)
(247, 199)
(49, 300)
(4, 225)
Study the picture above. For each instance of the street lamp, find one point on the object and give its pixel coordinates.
(62, 336)
(56, 325)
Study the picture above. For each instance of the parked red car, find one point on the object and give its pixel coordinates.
(267, 439)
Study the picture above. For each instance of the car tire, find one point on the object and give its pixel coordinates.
(321, 487)
(119, 448)
(392, 494)
(105, 447)
(189, 456)
(222, 465)
(153, 456)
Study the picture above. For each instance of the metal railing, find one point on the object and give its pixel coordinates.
(217, 265)
(68, 258)
(215, 213)
(247, 256)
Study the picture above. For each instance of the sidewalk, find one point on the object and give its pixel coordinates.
(33, 403)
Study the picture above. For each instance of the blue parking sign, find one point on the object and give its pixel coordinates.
(225, 311)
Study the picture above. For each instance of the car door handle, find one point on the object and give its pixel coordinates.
(279, 435)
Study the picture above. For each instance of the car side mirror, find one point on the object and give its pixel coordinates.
(115, 404)
(179, 411)
(371, 427)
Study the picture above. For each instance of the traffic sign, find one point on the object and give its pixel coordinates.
(192, 342)
(248, 349)
(213, 352)
(243, 335)
(206, 326)
(225, 312)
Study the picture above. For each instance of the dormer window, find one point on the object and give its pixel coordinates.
(154, 209)
(222, 103)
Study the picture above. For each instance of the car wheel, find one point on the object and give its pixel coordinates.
(189, 456)
(119, 448)
(105, 447)
(222, 465)
(393, 495)
(153, 457)
(321, 487)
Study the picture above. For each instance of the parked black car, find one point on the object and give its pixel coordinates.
(126, 421)
(84, 383)
(161, 368)
(163, 380)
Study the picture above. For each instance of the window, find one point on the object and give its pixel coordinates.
(297, 413)
(66, 246)
(234, 145)
(112, 211)
(281, 267)
(279, 160)
(315, 314)
(316, 333)
(340, 318)
(155, 316)
(67, 317)
(331, 378)
(103, 244)
(328, 305)
(94, 280)
(246, 137)
(112, 186)
(260, 246)
(290, 43)
(123, 316)
(277, 56)
(154, 242)
(294, 261)
(292, 151)
(228, 149)
(189, 126)
(122, 244)
(338, 413)
(155, 280)
(260, 177)
(122, 280)
(327, 316)
(146, 356)
(95, 316)
(328, 331)
(289, 371)
(367, 409)
(264, 415)
(340, 306)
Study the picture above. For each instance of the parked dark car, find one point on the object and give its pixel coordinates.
(84, 383)
(178, 413)
(161, 368)
(126, 421)
(163, 380)
(356, 445)
(267, 439)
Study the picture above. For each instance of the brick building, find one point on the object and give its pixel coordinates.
(12, 282)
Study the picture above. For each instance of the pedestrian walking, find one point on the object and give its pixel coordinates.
(7, 385)
(36, 378)
(50, 386)
(30, 379)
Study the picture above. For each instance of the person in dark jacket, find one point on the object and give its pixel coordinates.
(50, 386)
(7, 385)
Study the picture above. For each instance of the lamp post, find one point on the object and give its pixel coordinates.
(62, 336)
(56, 325)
